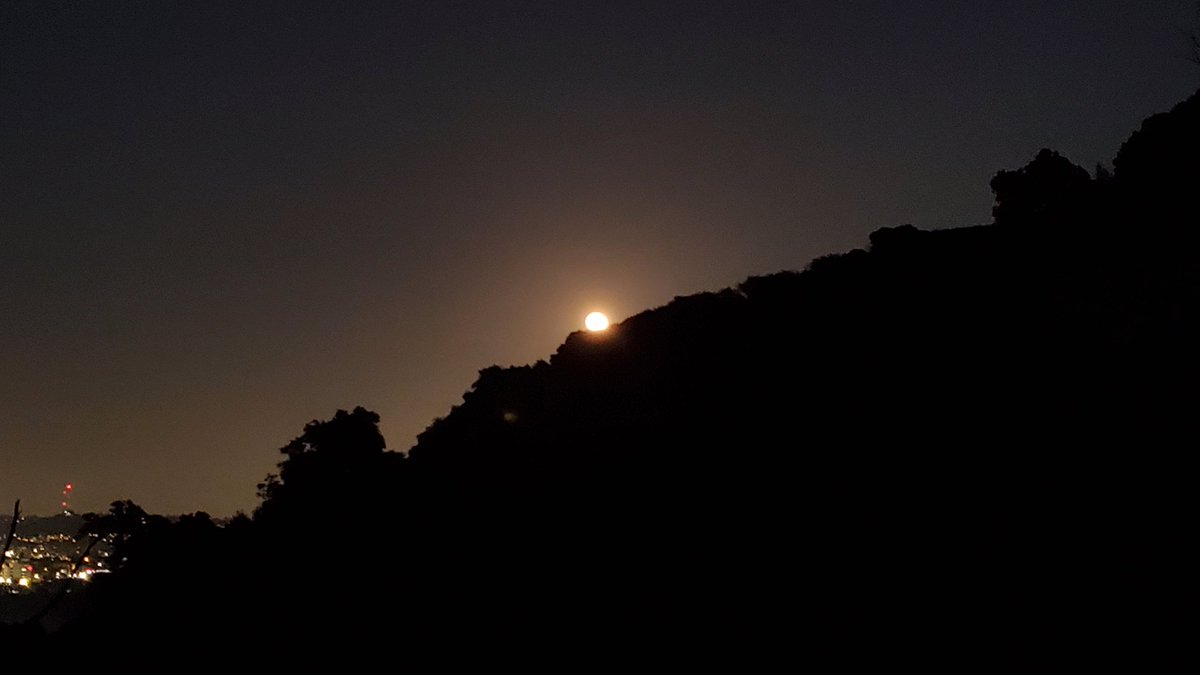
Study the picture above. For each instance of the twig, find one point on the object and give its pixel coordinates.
(12, 532)
(62, 591)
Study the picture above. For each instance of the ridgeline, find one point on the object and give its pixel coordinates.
(970, 448)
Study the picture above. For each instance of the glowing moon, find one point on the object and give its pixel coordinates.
(596, 321)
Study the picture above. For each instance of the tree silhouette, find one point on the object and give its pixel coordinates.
(338, 464)
(1050, 190)
(1156, 170)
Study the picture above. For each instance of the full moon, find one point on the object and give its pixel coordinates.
(596, 321)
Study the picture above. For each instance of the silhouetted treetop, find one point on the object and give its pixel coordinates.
(335, 464)
(1050, 190)
(347, 436)
(1158, 167)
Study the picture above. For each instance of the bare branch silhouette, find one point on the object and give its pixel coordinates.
(66, 587)
(12, 531)
(1193, 37)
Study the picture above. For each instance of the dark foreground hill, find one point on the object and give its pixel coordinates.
(970, 448)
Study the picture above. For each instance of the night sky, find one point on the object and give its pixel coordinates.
(219, 221)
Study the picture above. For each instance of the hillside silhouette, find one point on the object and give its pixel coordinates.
(970, 448)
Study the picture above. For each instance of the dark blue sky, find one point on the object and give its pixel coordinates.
(221, 220)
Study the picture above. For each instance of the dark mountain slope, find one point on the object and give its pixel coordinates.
(978, 439)
(970, 448)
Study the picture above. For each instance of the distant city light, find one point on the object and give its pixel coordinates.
(42, 558)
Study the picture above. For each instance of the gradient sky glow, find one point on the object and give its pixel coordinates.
(221, 220)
